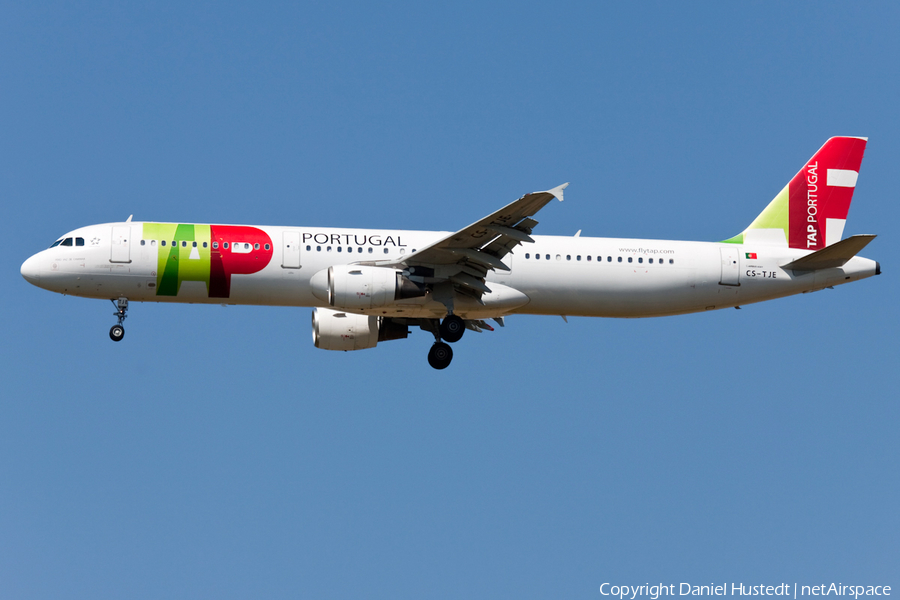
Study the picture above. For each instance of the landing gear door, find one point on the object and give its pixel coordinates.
(290, 250)
(731, 267)
(120, 246)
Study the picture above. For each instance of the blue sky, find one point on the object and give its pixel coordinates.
(215, 453)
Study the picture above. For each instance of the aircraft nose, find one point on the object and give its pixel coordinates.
(31, 270)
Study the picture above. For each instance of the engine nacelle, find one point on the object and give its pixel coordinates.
(354, 286)
(337, 330)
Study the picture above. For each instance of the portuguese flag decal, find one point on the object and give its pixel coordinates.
(750, 255)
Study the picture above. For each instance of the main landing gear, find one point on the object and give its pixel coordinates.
(117, 331)
(440, 355)
(451, 329)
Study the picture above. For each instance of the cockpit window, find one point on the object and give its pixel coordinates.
(66, 242)
(79, 241)
(56, 243)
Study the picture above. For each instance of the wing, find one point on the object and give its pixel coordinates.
(464, 258)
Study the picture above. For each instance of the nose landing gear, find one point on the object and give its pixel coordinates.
(117, 331)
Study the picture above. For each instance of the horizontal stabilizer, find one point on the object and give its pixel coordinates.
(833, 256)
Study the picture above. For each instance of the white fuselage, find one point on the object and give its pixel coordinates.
(601, 277)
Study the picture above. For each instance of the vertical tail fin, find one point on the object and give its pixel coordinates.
(811, 210)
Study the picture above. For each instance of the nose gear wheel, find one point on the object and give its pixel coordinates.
(117, 331)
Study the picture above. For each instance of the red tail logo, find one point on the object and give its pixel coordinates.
(821, 192)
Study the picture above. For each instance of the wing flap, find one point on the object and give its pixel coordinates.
(471, 282)
(482, 258)
(511, 232)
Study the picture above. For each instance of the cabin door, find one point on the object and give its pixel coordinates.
(120, 247)
(291, 250)
(731, 267)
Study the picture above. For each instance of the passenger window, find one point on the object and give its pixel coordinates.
(568, 257)
(589, 258)
(578, 257)
(547, 257)
(650, 261)
(328, 249)
(193, 244)
(527, 255)
(268, 247)
(183, 244)
(608, 259)
(671, 261)
(370, 251)
(385, 250)
(629, 259)
(256, 247)
(152, 242)
(640, 260)
(620, 259)
(215, 245)
(340, 249)
(143, 243)
(66, 242)
(246, 246)
(225, 245)
(204, 244)
(402, 250)
(318, 248)
(163, 242)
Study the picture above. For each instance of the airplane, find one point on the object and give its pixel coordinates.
(371, 285)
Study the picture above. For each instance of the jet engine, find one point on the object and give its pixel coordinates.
(354, 286)
(337, 330)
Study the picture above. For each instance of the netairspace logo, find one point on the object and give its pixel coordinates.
(654, 592)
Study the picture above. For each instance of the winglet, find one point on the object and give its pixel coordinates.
(557, 192)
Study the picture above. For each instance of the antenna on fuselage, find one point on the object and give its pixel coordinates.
(128, 220)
